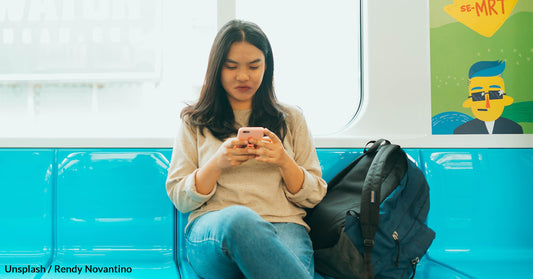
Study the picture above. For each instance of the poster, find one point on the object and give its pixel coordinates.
(481, 66)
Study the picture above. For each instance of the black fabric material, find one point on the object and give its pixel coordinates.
(372, 220)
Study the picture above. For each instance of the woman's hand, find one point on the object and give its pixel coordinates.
(230, 154)
(270, 150)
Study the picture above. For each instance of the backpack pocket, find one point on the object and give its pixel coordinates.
(416, 244)
(340, 261)
(409, 249)
(397, 251)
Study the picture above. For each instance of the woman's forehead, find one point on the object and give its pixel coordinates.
(244, 52)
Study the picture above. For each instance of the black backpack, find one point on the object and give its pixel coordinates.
(371, 223)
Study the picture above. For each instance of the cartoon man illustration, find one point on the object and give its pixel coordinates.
(487, 99)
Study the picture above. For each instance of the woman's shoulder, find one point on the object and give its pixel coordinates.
(188, 126)
(292, 112)
(294, 117)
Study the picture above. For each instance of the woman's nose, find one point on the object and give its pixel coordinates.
(242, 76)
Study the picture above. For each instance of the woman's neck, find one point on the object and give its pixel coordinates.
(236, 106)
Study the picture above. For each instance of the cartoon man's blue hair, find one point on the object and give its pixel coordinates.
(486, 69)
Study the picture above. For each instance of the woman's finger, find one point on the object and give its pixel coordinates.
(273, 137)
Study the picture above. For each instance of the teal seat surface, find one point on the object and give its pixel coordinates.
(25, 209)
(481, 210)
(62, 208)
(112, 210)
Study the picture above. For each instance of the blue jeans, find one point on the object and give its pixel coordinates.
(236, 242)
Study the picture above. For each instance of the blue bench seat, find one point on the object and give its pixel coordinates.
(25, 209)
(481, 210)
(112, 211)
(108, 207)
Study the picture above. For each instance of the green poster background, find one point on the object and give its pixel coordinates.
(455, 48)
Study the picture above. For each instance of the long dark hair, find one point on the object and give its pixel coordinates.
(213, 110)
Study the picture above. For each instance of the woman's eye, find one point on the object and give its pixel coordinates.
(254, 67)
(230, 67)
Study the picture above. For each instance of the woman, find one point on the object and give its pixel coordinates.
(246, 203)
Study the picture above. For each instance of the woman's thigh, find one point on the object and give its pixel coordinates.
(296, 238)
(236, 241)
(207, 243)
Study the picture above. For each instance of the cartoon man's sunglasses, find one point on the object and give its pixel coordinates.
(493, 95)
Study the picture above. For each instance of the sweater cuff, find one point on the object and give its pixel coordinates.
(308, 187)
(190, 185)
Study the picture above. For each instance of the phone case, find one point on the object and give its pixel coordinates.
(250, 132)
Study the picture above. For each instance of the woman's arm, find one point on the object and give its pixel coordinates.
(181, 184)
(304, 187)
(271, 151)
(188, 185)
(228, 155)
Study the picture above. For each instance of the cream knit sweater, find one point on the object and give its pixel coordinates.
(254, 184)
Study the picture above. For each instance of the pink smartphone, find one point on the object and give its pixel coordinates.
(245, 133)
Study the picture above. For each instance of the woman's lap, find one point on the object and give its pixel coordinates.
(236, 242)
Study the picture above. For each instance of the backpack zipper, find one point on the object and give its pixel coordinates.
(397, 240)
(395, 234)
(414, 263)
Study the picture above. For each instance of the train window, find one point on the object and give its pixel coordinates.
(79, 68)
(79, 40)
(122, 68)
(316, 54)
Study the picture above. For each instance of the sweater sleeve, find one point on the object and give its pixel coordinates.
(314, 187)
(181, 180)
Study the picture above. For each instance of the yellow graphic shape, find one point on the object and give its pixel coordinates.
(483, 16)
(487, 109)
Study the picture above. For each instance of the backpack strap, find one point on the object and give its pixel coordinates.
(375, 145)
(371, 199)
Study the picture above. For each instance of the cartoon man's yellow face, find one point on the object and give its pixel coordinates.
(487, 97)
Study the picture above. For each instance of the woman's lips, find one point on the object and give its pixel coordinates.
(242, 88)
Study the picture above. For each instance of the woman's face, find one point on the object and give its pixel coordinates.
(242, 74)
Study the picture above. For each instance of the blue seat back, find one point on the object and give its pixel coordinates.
(26, 206)
(69, 206)
(112, 205)
(481, 210)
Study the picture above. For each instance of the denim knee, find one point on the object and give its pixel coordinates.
(242, 224)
